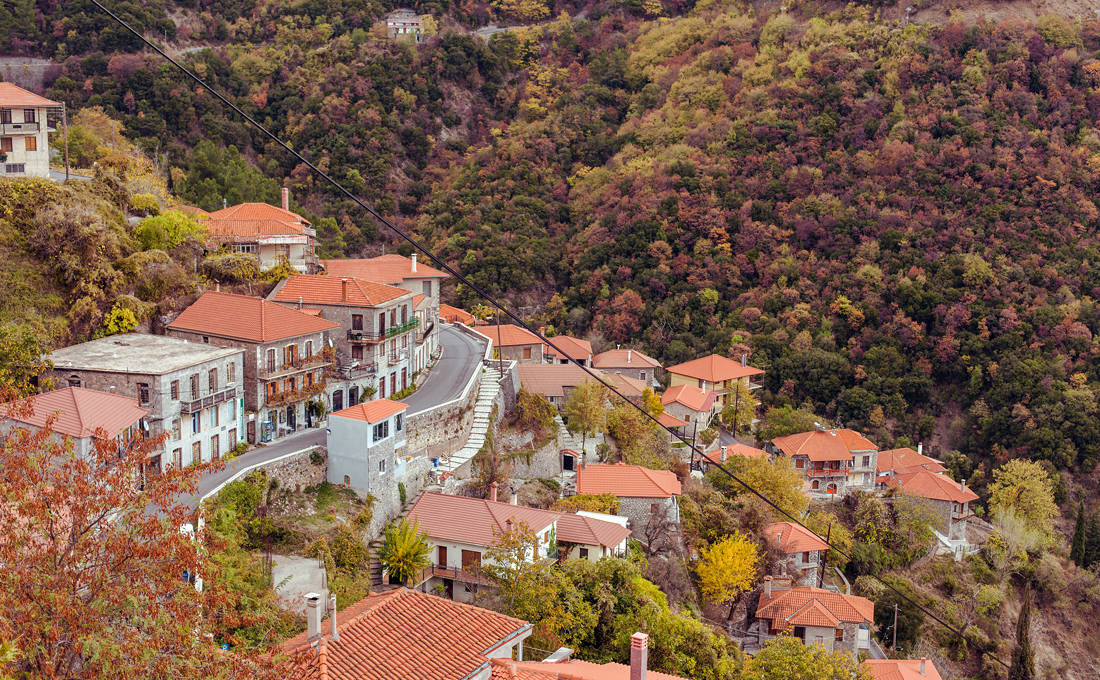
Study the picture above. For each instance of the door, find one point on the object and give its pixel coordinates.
(449, 588)
(338, 400)
(442, 558)
(290, 417)
(353, 395)
(404, 381)
(471, 560)
(215, 451)
(393, 383)
(567, 463)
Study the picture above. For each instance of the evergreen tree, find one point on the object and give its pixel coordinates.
(1091, 550)
(1023, 660)
(1077, 548)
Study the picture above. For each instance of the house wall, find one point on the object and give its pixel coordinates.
(719, 387)
(649, 375)
(637, 510)
(596, 552)
(36, 163)
(807, 572)
(516, 352)
(863, 473)
(356, 460)
(690, 416)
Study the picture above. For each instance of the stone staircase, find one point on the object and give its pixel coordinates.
(374, 565)
(483, 410)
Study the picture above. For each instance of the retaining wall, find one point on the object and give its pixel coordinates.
(299, 471)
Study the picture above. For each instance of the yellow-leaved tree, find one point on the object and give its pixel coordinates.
(728, 568)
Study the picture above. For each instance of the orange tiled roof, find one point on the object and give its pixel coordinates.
(624, 358)
(402, 634)
(795, 538)
(573, 669)
(551, 380)
(509, 335)
(316, 289)
(418, 300)
(902, 669)
(218, 228)
(714, 368)
(590, 531)
(724, 453)
(573, 348)
(813, 604)
(933, 485)
(669, 420)
(627, 481)
(906, 460)
(246, 318)
(473, 520)
(824, 445)
(77, 411)
(390, 268)
(13, 96)
(630, 387)
(692, 397)
(258, 211)
(372, 411)
(455, 315)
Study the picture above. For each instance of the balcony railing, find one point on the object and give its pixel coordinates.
(292, 396)
(827, 472)
(206, 399)
(19, 128)
(366, 336)
(312, 361)
(460, 575)
(402, 328)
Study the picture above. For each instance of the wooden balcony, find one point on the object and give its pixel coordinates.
(207, 399)
(827, 472)
(459, 575)
(291, 397)
(297, 366)
(363, 337)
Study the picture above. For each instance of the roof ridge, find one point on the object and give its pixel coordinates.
(76, 407)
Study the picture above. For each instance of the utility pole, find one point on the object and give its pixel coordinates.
(694, 429)
(824, 557)
(65, 125)
(895, 645)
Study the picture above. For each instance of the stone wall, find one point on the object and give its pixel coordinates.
(387, 504)
(544, 463)
(509, 386)
(436, 432)
(299, 471)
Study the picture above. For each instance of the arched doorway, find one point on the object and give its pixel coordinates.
(831, 488)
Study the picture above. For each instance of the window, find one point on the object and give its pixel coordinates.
(231, 372)
(175, 389)
(347, 480)
(5, 116)
(309, 348)
(584, 553)
(805, 558)
(404, 342)
(212, 379)
(404, 379)
(641, 375)
(427, 289)
(393, 383)
(839, 635)
(176, 429)
(309, 380)
(270, 360)
(866, 461)
(74, 381)
(356, 351)
(393, 316)
(290, 355)
(231, 406)
(356, 322)
(196, 423)
(177, 457)
(399, 422)
(815, 484)
(214, 416)
(382, 388)
(15, 168)
(244, 247)
(382, 465)
(272, 390)
(195, 386)
(291, 384)
(404, 313)
(5, 144)
(196, 452)
(143, 393)
(799, 463)
(206, 339)
(28, 116)
(381, 430)
(381, 322)
(32, 143)
(526, 352)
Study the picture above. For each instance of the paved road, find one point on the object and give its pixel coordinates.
(461, 357)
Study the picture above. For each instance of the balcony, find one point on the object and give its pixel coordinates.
(755, 382)
(302, 364)
(402, 328)
(207, 399)
(827, 472)
(459, 575)
(366, 336)
(19, 128)
(294, 396)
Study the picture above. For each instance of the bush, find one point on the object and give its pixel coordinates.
(167, 230)
(402, 493)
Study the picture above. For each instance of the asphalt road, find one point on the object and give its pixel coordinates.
(461, 357)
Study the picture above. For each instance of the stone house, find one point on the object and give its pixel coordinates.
(424, 282)
(193, 391)
(24, 132)
(629, 362)
(800, 549)
(896, 461)
(902, 669)
(722, 454)
(716, 373)
(376, 336)
(834, 462)
(514, 343)
(571, 348)
(592, 536)
(553, 381)
(269, 234)
(693, 405)
(949, 500)
(366, 446)
(404, 22)
(642, 493)
(836, 621)
(284, 356)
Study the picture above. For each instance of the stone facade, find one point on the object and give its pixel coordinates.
(637, 510)
(545, 463)
(25, 141)
(300, 471)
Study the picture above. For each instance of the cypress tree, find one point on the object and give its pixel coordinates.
(1023, 660)
(1077, 548)
(1092, 542)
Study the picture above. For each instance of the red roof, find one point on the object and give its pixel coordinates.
(669, 420)
(400, 635)
(902, 669)
(692, 397)
(551, 380)
(824, 445)
(906, 460)
(391, 268)
(724, 453)
(455, 315)
(509, 335)
(714, 369)
(418, 300)
(627, 481)
(590, 531)
(573, 348)
(77, 411)
(629, 387)
(624, 358)
(932, 485)
(573, 669)
(806, 606)
(372, 411)
(12, 96)
(330, 290)
(793, 538)
(258, 211)
(473, 520)
(247, 318)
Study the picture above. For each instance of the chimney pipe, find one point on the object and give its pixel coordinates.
(922, 662)
(744, 359)
(286, 199)
(313, 615)
(962, 485)
(344, 289)
(332, 619)
(111, 389)
(628, 352)
(414, 261)
(515, 499)
(639, 655)
(768, 587)
(299, 302)
(920, 449)
(779, 541)
(493, 491)
(217, 287)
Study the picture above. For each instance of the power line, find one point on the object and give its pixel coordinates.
(492, 302)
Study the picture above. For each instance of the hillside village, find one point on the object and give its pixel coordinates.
(388, 482)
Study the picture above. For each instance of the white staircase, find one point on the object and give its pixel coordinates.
(483, 410)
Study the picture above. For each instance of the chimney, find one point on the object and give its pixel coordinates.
(962, 485)
(111, 389)
(414, 261)
(639, 655)
(744, 359)
(314, 609)
(286, 199)
(628, 353)
(299, 302)
(768, 587)
(920, 449)
(779, 541)
(332, 619)
(922, 662)
(344, 289)
(515, 499)
(225, 203)
(493, 491)
(217, 287)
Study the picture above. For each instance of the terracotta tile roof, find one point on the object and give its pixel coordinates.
(795, 538)
(455, 315)
(624, 358)
(573, 669)
(627, 481)
(391, 268)
(692, 397)
(197, 213)
(77, 411)
(551, 380)
(317, 289)
(630, 387)
(258, 211)
(902, 669)
(590, 531)
(509, 335)
(473, 520)
(247, 318)
(824, 445)
(418, 300)
(669, 420)
(13, 96)
(218, 228)
(573, 348)
(813, 604)
(724, 453)
(400, 635)
(906, 460)
(714, 368)
(372, 411)
(933, 485)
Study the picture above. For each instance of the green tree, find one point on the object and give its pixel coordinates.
(777, 480)
(728, 568)
(913, 521)
(214, 175)
(405, 550)
(167, 230)
(515, 564)
(533, 412)
(21, 359)
(740, 408)
(605, 503)
(586, 410)
(783, 420)
(1026, 489)
(1077, 547)
(786, 658)
(1092, 541)
(1023, 660)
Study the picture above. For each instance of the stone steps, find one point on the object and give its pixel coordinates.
(483, 410)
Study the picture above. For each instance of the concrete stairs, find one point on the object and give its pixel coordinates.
(374, 565)
(483, 410)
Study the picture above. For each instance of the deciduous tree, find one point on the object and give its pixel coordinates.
(1024, 488)
(785, 657)
(586, 410)
(728, 568)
